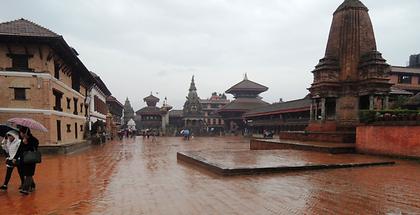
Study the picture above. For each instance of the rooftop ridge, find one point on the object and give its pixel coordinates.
(13, 28)
(351, 4)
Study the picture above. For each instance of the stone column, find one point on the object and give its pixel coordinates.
(386, 102)
(311, 113)
(323, 109)
(371, 102)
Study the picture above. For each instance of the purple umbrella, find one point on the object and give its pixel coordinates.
(29, 123)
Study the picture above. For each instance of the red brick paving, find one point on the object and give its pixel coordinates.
(144, 178)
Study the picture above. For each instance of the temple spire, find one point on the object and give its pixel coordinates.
(192, 85)
(351, 4)
(245, 77)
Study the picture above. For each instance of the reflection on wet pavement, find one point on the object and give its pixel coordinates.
(143, 177)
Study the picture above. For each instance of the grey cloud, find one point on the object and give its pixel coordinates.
(138, 46)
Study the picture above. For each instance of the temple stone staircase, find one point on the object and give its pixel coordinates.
(327, 147)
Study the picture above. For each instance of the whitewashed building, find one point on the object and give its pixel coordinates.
(97, 94)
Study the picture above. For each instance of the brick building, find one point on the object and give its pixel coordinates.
(213, 121)
(97, 94)
(405, 78)
(41, 77)
(116, 109)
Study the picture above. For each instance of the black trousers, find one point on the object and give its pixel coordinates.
(9, 171)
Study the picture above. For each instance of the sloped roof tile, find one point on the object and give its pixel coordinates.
(247, 85)
(300, 104)
(23, 27)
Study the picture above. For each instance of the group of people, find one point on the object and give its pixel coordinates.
(15, 144)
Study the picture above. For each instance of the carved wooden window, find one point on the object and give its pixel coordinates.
(20, 61)
(75, 106)
(58, 95)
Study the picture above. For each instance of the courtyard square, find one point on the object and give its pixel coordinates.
(141, 176)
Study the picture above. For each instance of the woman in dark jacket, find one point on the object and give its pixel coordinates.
(29, 143)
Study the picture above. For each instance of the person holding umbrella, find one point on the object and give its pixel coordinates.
(29, 143)
(11, 146)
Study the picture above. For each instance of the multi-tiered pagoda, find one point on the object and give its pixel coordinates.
(152, 117)
(246, 94)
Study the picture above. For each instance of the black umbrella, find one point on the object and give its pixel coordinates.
(4, 129)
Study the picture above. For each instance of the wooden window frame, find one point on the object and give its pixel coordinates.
(58, 94)
(15, 97)
(402, 80)
(15, 67)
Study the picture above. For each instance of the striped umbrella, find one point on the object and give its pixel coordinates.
(29, 123)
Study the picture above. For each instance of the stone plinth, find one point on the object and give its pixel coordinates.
(274, 161)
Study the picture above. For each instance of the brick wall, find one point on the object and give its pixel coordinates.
(389, 140)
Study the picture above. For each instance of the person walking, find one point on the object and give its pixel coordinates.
(11, 145)
(29, 143)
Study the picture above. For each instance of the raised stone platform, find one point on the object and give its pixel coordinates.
(274, 161)
(64, 148)
(328, 147)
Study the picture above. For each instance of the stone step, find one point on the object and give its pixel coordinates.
(250, 162)
(327, 147)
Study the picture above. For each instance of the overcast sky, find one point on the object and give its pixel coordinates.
(139, 46)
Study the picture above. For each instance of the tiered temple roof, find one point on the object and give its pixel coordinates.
(246, 87)
(151, 108)
(246, 96)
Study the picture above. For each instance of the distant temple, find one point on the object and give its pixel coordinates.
(246, 94)
(152, 117)
(128, 112)
(193, 115)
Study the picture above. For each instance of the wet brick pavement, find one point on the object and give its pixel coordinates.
(144, 177)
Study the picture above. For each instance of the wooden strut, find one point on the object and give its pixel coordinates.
(40, 52)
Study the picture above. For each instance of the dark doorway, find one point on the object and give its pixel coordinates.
(58, 130)
(364, 103)
(75, 130)
(330, 107)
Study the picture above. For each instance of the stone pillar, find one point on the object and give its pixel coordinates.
(323, 109)
(386, 102)
(371, 102)
(311, 113)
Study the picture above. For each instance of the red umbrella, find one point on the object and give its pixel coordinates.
(29, 123)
